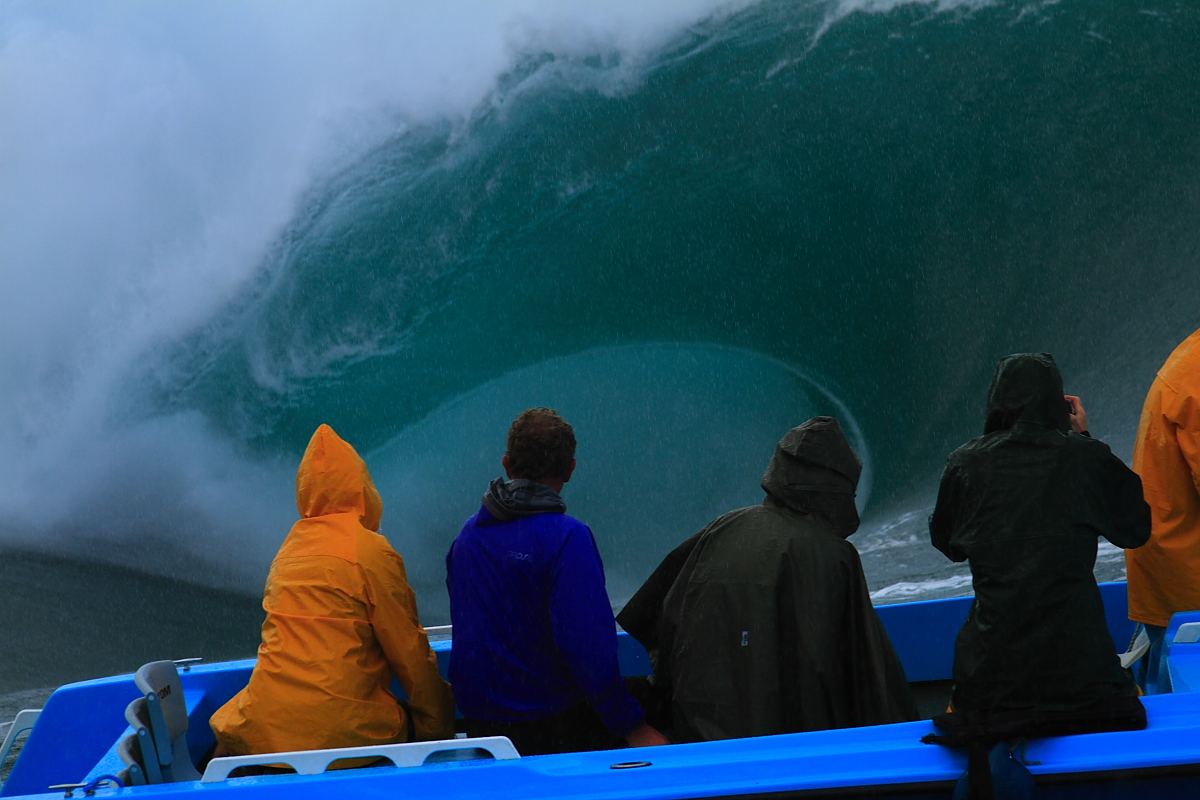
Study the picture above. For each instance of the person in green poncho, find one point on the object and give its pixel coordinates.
(761, 623)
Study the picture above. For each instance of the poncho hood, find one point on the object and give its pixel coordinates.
(814, 471)
(333, 479)
(1026, 388)
(507, 500)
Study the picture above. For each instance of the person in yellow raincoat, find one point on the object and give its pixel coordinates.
(341, 620)
(1164, 574)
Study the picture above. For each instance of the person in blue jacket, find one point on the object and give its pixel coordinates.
(535, 643)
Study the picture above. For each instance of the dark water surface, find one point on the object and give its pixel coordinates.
(72, 620)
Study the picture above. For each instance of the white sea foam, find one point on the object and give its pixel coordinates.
(953, 586)
(899, 532)
(1110, 562)
(840, 9)
(149, 154)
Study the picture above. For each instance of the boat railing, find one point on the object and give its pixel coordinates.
(440, 631)
(411, 754)
(24, 721)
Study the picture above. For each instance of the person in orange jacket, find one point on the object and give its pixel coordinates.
(341, 620)
(1164, 574)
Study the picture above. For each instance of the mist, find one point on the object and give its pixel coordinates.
(150, 155)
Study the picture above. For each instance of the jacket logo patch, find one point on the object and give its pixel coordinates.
(519, 556)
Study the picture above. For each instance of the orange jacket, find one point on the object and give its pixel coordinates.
(1164, 574)
(341, 619)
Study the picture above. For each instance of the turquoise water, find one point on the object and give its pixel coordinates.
(788, 210)
(884, 210)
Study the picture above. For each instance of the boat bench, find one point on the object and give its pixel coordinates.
(412, 754)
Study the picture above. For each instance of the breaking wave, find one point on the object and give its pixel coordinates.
(687, 226)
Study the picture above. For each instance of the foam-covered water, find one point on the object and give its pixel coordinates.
(687, 226)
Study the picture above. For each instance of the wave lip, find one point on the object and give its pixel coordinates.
(671, 435)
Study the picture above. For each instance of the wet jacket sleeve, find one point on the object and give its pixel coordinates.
(941, 524)
(642, 615)
(1128, 513)
(393, 615)
(585, 634)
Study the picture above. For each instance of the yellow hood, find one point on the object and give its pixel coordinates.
(333, 479)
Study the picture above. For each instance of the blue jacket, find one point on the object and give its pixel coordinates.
(533, 629)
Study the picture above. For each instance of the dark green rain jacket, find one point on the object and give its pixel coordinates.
(761, 623)
(1024, 504)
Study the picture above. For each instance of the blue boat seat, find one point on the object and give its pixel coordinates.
(160, 722)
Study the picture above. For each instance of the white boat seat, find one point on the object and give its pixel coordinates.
(24, 721)
(313, 762)
(1188, 633)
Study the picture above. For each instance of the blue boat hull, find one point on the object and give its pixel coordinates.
(76, 736)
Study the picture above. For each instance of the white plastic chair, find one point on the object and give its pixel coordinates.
(24, 721)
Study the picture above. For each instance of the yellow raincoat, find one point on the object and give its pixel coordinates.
(1164, 573)
(341, 619)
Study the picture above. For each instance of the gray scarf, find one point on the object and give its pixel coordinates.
(507, 500)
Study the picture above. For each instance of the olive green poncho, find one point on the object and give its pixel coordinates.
(761, 623)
